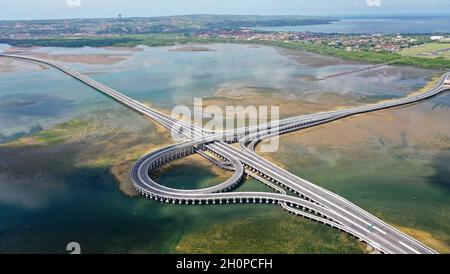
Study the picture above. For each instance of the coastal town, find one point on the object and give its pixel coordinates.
(207, 27)
(373, 42)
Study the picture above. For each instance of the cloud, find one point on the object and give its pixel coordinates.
(22, 194)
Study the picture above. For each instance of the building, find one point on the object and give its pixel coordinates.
(436, 38)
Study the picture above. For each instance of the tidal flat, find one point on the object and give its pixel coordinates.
(76, 184)
(89, 59)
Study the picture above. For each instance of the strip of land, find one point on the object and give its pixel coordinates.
(179, 39)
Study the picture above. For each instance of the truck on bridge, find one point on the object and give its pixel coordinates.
(447, 80)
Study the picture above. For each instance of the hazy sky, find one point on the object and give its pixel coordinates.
(44, 9)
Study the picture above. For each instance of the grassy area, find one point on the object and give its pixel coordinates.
(367, 56)
(152, 40)
(59, 134)
(66, 42)
(430, 50)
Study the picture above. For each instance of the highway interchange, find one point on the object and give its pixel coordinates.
(294, 194)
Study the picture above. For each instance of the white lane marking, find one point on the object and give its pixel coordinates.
(410, 248)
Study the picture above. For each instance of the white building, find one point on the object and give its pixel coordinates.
(435, 38)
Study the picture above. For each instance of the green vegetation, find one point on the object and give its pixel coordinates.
(59, 134)
(366, 56)
(152, 40)
(158, 40)
(50, 136)
(68, 42)
(430, 50)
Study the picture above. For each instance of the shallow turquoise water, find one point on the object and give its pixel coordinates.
(42, 211)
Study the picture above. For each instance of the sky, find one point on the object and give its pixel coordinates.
(56, 9)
